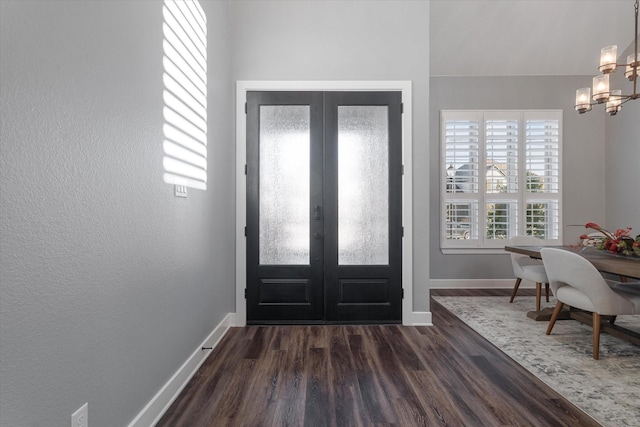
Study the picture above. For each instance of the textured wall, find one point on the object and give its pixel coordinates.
(582, 165)
(108, 281)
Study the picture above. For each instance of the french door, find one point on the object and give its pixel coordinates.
(324, 231)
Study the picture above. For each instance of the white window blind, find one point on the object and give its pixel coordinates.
(542, 175)
(500, 177)
(501, 148)
(461, 146)
(185, 93)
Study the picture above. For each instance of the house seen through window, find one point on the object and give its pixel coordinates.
(500, 177)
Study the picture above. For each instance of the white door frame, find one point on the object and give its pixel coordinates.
(242, 87)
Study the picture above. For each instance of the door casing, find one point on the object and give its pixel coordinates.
(240, 317)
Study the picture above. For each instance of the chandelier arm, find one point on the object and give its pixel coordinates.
(627, 97)
(623, 98)
(625, 101)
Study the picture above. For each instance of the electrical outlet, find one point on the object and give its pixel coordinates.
(180, 190)
(80, 418)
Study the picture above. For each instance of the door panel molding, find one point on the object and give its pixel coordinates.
(242, 87)
(297, 291)
(351, 291)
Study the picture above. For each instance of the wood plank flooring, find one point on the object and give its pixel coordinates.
(385, 375)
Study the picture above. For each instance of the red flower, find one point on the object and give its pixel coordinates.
(613, 242)
(623, 232)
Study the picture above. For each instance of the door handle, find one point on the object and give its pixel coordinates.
(316, 212)
(317, 236)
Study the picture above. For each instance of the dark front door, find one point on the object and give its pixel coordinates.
(324, 185)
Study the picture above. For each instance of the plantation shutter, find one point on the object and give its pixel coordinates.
(500, 177)
(461, 176)
(542, 153)
(502, 137)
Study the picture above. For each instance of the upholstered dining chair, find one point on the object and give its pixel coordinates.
(528, 268)
(577, 283)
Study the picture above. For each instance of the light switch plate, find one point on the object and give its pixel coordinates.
(80, 418)
(180, 190)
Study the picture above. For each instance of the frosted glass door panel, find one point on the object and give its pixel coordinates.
(285, 141)
(363, 185)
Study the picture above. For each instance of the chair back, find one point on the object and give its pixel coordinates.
(566, 268)
(519, 260)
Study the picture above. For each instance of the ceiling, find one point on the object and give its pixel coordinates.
(526, 37)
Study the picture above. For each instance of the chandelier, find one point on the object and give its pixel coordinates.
(608, 65)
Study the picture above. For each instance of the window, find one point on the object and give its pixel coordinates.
(185, 93)
(500, 177)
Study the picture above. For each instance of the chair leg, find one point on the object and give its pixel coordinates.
(546, 290)
(596, 335)
(613, 319)
(554, 316)
(515, 289)
(538, 295)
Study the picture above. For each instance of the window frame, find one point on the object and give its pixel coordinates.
(184, 61)
(482, 244)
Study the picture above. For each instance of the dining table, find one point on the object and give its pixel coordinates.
(622, 268)
(605, 262)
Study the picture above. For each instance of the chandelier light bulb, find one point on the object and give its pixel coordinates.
(631, 62)
(583, 100)
(614, 103)
(601, 88)
(608, 56)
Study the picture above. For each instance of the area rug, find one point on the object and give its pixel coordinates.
(607, 389)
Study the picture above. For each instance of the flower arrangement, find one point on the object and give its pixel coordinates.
(619, 243)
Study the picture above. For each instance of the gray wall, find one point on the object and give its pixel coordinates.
(108, 281)
(582, 167)
(622, 145)
(354, 40)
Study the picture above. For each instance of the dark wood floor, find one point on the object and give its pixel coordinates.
(366, 376)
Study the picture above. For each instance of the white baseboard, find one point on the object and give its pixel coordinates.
(419, 318)
(477, 284)
(235, 321)
(159, 404)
